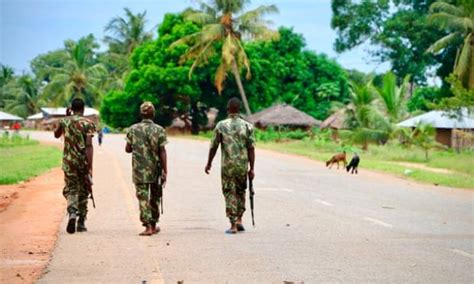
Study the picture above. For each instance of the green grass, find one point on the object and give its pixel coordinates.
(21, 159)
(385, 158)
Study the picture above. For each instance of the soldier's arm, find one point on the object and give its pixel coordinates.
(89, 152)
(59, 131)
(128, 138)
(251, 152)
(217, 139)
(251, 155)
(163, 162)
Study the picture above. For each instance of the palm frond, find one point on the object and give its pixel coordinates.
(204, 53)
(221, 76)
(254, 26)
(463, 63)
(257, 14)
(448, 21)
(200, 18)
(441, 6)
(443, 42)
(243, 59)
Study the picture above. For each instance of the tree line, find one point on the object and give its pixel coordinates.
(205, 55)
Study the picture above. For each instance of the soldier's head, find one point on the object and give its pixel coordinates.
(77, 106)
(233, 105)
(147, 110)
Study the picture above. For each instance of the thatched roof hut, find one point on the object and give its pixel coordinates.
(337, 120)
(282, 115)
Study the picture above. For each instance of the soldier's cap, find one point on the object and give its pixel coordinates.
(147, 108)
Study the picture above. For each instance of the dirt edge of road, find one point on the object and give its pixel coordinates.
(30, 215)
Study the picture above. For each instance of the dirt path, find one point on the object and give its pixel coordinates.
(424, 167)
(29, 218)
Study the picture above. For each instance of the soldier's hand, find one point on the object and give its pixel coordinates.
(207, 169)
(164, 176)
(251, 174)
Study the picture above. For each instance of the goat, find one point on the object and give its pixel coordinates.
(354, 164)
(336, 159)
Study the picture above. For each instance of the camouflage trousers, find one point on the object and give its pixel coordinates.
(233, 188)
(76, 194)
(149, 197)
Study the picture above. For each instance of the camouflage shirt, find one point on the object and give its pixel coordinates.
(145, 138)
(236, 136)
(76, 129)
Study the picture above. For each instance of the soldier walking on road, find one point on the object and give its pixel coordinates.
(237, 141)
(146, 141)
(77, 163)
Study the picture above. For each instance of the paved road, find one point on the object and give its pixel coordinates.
(313, 225)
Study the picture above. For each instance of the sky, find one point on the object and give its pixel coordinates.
(32, 27)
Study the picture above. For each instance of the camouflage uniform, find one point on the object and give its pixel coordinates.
(236, 136)
(75, 129)
(145, 138)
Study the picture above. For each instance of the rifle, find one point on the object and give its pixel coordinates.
(89, 184)
(161, 185)
(251, 195)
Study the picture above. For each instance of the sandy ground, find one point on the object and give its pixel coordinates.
(30, 214)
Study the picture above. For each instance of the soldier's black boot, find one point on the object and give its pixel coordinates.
(71, 224)
(81, 224)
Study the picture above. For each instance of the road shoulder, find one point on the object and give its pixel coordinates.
(29, 226)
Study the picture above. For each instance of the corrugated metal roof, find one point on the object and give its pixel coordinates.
(442, 119)
(7, 116)
(39, 115)
(62, 111)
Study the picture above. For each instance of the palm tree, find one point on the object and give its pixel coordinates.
(363, 116)
(424, 137)
(225, 22)
(6, 76)
(458, 20)
(24, 98)
(127, 32)
(79, 76)
(393, 97)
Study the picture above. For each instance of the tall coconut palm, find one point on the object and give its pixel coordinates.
(126, 33)
(225, 22)
(79, 76)
(393, 97)
(24, 98)
(458, 20)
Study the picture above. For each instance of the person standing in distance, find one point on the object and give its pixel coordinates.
(77, 162)
(237, 140)
(146, 141)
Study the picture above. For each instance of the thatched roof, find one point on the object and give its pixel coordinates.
(282, 115)
(335, 120)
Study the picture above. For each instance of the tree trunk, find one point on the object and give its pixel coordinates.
(470, 84)
(235, 71)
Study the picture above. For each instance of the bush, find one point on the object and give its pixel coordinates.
(270, 134)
